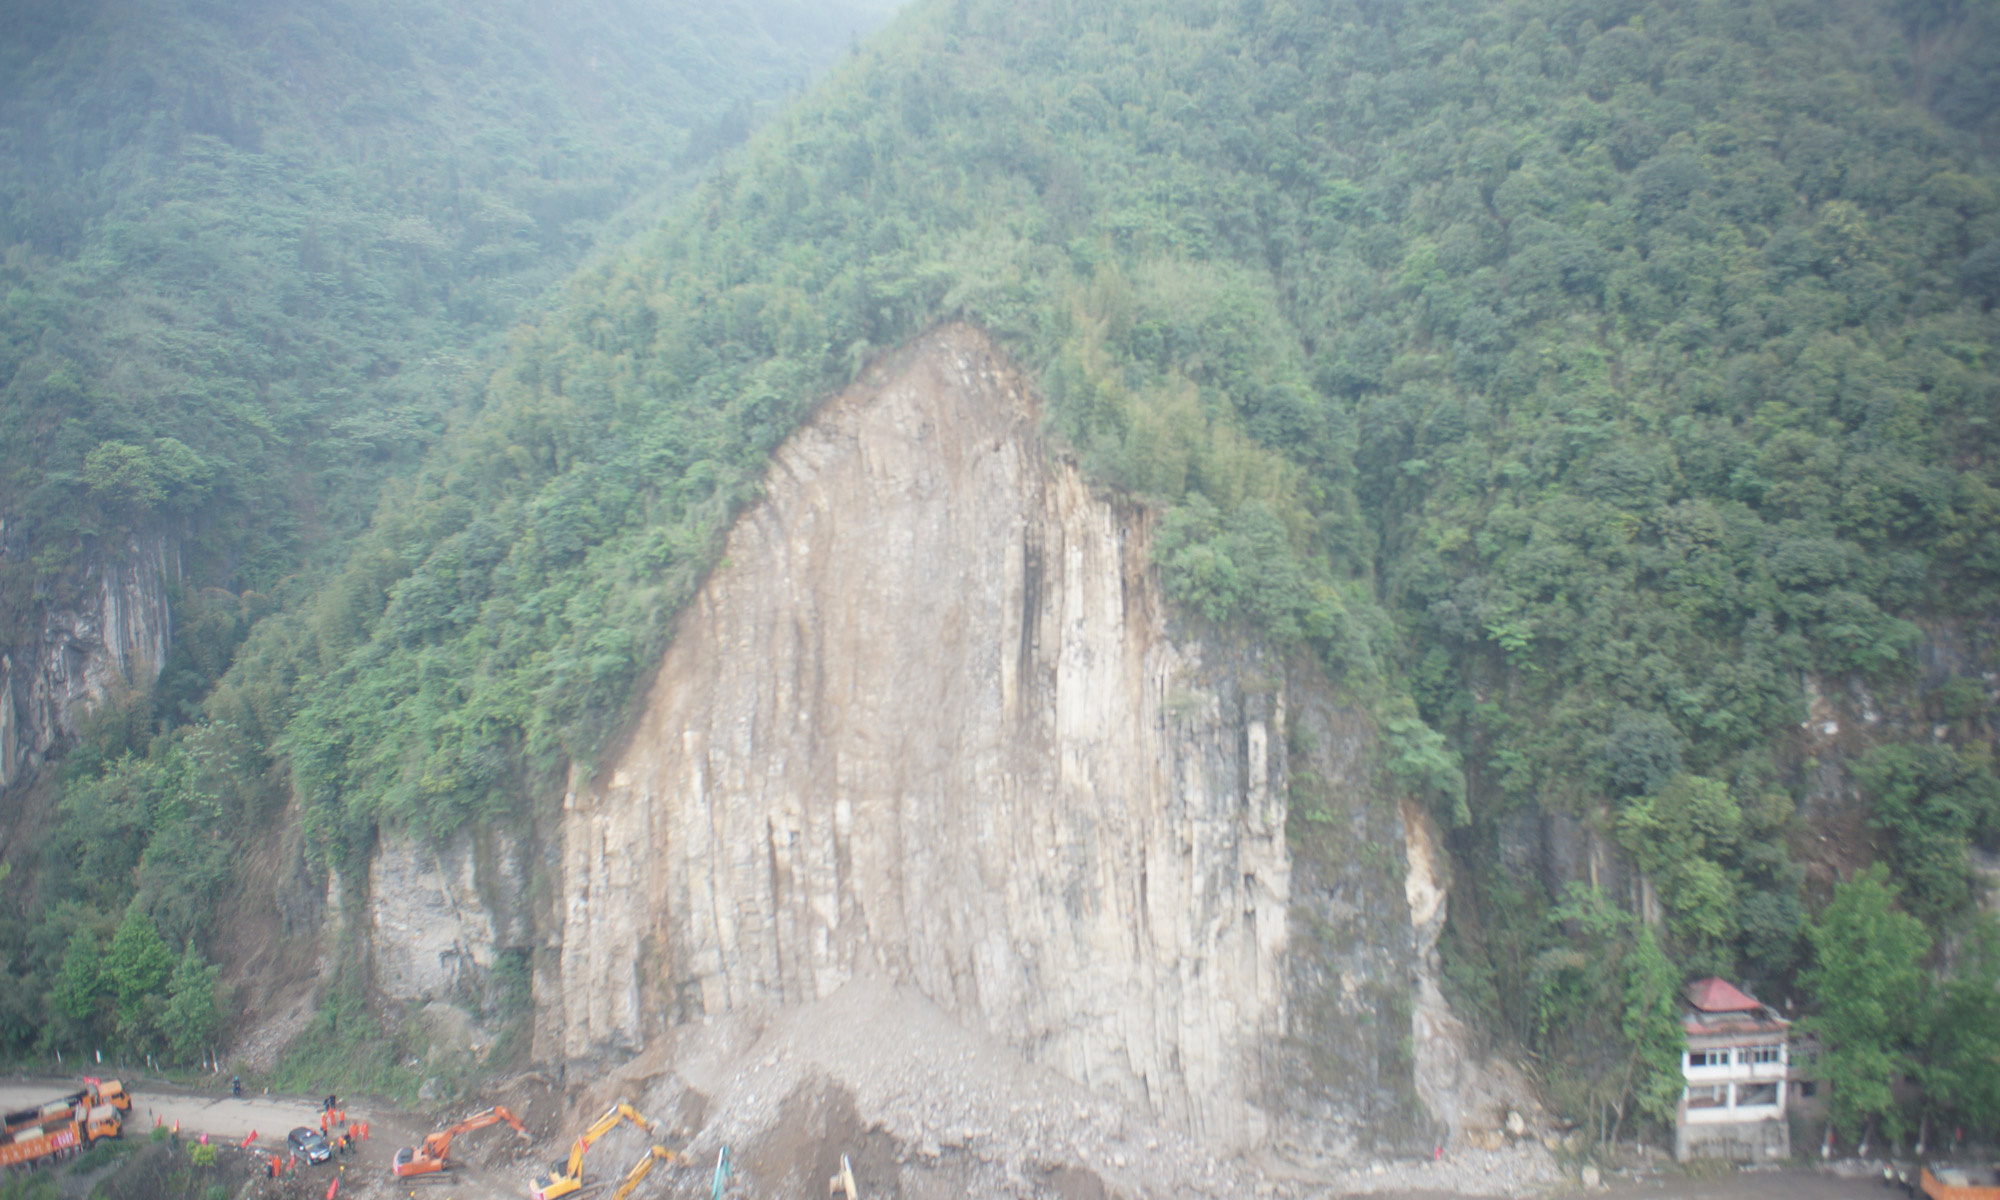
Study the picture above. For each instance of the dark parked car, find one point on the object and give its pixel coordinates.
(309, 1144)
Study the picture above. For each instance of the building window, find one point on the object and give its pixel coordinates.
(1708, 1058)
(1751, 1095)
(1713, 1095)
(1808, 1087)
(1766, 1054)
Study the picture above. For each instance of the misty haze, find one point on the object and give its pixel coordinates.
(1055, 599)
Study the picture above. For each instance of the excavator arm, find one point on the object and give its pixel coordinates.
(598, 1128)
(642, 1168)
(569, 1177)
(436, 1150)
(842, 1185)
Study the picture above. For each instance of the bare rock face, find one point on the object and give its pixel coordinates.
(116, 636)
(930, 719)
(439, 918)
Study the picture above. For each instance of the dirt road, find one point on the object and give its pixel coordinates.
(364, 1173)
(271, 1117)
(1759, 1184)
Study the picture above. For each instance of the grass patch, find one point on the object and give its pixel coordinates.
(344, 1049)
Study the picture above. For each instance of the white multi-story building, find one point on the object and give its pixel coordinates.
(1735, 1065)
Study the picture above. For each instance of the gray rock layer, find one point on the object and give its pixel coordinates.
(440, 917)
(929, 717)
(116, 636)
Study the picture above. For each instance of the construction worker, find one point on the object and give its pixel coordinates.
(236, 1086)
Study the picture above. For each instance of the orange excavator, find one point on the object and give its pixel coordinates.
(435, 1154)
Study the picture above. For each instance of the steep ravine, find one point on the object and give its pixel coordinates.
(931, 720)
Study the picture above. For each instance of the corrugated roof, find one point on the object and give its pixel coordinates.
(1713, 995)
(1698, 1028)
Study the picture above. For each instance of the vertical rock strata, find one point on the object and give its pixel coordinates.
(440, 916)
(927, 719)
(115, 635)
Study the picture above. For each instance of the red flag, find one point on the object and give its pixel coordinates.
(331, 1188)
(248, 1140)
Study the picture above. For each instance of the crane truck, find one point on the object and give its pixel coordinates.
(94, 1093)
(1953, 1183)
(106, 1091)
(434, 1155)
(566, 1179)
(59, 1136)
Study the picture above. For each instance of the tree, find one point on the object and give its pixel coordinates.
(1642, 754)
(1932, 798)
(190, 1017)
(77, 992)
(1963, 1036)
(1675, 837)
(1653, 1028)
(1608, 1014)
(1868, 986)
(138, 967)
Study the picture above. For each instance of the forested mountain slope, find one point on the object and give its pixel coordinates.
(255, 253)
(254, 256)
(1595, 387)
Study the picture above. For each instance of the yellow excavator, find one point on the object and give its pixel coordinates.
(842, 1185)
(644, 1167)
(567, 1178)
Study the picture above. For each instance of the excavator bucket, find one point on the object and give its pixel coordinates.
(842, 1185)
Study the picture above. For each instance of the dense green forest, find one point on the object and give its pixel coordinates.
(1574, 378)
(255, 256)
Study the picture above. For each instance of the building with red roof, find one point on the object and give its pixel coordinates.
(1736, 1064)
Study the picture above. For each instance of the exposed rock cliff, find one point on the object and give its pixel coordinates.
(114, 635)
(441, 918)
(930, 718)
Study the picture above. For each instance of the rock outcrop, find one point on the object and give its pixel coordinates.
(440, 918)
(114, 635)
(930, 718)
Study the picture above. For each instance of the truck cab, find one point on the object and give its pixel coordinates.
(102, 1122)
